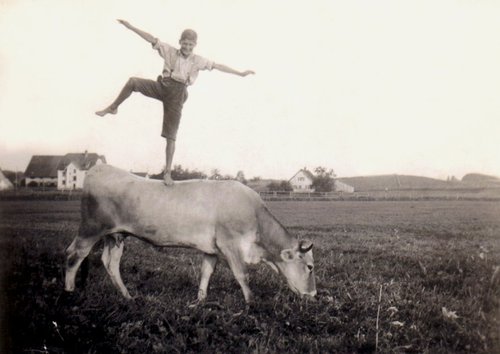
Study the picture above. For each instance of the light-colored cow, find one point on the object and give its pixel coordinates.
(220, 218)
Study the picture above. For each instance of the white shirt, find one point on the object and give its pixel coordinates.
(179, 68)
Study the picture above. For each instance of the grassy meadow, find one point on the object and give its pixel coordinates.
(392, 276)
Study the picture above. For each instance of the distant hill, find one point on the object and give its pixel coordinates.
(481, 180)
(402, 182)
(394, 182)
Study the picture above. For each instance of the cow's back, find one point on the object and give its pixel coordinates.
(121, 201)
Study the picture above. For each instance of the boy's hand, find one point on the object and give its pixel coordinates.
(123, 22)
(248, 72)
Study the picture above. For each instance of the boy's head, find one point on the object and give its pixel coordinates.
(188, 41)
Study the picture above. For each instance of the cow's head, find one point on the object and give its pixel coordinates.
(297, 265)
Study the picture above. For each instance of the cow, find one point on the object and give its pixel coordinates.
(222, 219)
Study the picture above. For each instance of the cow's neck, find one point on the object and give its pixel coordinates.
(273, 236)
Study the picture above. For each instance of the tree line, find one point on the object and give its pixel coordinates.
(323, 179)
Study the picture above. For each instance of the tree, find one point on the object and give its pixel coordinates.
(324, 181)
(215, 174)
(240, 176)
(179, 174)
(282, 186)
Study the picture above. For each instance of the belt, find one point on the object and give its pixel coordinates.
(162, 78)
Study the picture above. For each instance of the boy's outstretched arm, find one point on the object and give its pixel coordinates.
(227, 69)
(146, 36)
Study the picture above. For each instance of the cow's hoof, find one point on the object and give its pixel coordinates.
(196, 303)
(310, 298)
(193, 305)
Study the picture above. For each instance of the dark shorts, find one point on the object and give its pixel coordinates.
(173, 94)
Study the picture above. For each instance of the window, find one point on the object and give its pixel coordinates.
(301, 179)
(74, 178)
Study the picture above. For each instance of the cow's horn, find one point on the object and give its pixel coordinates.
(305, 246)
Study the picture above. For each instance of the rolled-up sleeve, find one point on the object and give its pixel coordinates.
(204, 64)
(161, 47)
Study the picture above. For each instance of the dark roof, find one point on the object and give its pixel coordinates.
(43, 166)
(48, 165)
(307, 173)
(83, 161)
(393, 182)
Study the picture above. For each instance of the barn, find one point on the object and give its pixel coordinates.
(42, 171)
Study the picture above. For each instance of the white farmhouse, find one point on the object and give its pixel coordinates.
(63, 172)
(73, 168)
(302, 181)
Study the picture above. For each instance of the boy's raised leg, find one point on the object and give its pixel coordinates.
(144, 86)
(109, 110)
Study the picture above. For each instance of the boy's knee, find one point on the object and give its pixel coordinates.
(132, 83)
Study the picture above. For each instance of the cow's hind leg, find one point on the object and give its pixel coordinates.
(76, 253)
(111, 255)
(207, 268)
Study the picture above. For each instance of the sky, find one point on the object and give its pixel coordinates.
(361, 87)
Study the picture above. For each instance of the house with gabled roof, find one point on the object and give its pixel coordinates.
(73, 168)
(64, 172)
(302, 181)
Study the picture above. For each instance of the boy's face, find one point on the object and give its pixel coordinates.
(187, 46)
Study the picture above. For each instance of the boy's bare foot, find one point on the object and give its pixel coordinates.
(105, 111)
(167, 180)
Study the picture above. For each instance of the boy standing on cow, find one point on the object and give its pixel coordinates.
(180, 70)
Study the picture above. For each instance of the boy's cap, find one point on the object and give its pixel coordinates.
(189, 34)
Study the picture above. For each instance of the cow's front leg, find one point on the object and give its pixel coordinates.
(76, 253)
(207, 268)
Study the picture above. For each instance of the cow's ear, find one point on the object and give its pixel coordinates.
(287, 255)
(305, 246)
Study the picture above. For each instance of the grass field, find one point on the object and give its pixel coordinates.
(416, 276)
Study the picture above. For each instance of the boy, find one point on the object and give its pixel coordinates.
(180, 69)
